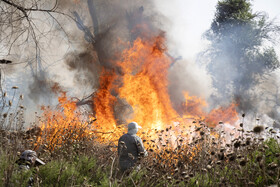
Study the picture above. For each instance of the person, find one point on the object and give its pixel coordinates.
(28, 159)
(130, 148)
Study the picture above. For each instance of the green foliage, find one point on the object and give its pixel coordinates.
(21, 177)
(3, 167)
(239, 53)
(57, 172)
(83, 171)
(272, 150)
(230, 13)
(10, 174)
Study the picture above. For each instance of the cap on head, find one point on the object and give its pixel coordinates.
(133, 128)
(31, 156)
(133, 125)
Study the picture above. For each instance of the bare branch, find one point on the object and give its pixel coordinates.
(23, 10)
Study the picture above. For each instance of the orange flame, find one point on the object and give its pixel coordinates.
(145, 83)
(223, 114)
(104, 101)
(62, 125)
(141, 81)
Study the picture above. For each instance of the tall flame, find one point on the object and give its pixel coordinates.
(145, 83)
(140, 79)
(143, 76)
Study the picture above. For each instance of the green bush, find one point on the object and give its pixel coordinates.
(82, 171)
(10, 174)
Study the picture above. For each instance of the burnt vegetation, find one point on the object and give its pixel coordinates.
(202, 156)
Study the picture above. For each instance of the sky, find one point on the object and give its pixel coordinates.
(191, 18)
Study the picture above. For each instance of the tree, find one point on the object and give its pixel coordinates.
(102, 23)
(28, 31)
(240, 51)
(24, 22)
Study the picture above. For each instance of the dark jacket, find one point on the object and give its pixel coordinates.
(129, 149)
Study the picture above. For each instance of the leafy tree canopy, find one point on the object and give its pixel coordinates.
(239, 53)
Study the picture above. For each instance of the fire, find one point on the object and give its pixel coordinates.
(63, 125)
(145, 83)
(141, 83)
(193, 107)
(104, 101)
(223, 114)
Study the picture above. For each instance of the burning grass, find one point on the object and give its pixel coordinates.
(182, 154)
(243, 158)
(80, 150)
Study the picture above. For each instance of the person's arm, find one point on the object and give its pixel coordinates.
(140, 147)
(121, 145)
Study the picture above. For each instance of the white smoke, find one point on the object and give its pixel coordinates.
(184, 22)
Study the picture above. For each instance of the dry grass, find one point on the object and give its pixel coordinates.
(243, 158)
